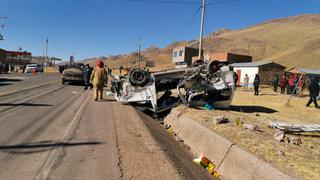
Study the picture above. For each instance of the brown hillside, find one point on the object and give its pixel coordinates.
(292, 41)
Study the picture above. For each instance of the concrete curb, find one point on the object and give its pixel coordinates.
(232, 161)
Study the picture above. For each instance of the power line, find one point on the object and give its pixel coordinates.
(188, 23)
(222, 2)
(184, 2)
(164, 1)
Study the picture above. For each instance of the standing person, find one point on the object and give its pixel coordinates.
(246, 81)
(87, 74)
(99, 78)
(235, 76)
(313, 92)
(256, 84)
(282, 84)
(6, 68)
(301, 86)
(275, 83)
(291, 83)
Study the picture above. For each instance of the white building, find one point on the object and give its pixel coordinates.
(266, 70)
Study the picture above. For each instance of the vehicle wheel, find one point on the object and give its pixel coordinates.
(139, 77)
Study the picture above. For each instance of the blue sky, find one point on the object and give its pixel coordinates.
(92, 28)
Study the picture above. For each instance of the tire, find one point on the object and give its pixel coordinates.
(139, 77)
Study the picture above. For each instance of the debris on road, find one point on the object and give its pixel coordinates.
(219, 120)
(109, 93)
(239, 121)
(253, 127)
(207, 164)
(303, 129)
(279, 135)
(296, 141)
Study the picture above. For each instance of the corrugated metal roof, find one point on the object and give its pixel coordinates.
(309, 71)
(251, 64)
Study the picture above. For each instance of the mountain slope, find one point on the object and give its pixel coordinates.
(292, 41)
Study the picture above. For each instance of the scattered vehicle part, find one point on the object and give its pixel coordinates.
(279, 135)
(220, 120)
(253, 127)
(207, 83)
(207, 164)
(295, 128)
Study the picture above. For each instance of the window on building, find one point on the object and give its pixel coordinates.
(181, 53)
(175, 54)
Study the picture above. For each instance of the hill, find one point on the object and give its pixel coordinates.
(292, 41)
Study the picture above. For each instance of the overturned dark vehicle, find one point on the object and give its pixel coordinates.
(204, 83)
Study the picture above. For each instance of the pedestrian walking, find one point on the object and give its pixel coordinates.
(282, 84)
(313, 92)
(256, 84)
(246, 81)
(99, 78)
(87, 74)
(275, 83)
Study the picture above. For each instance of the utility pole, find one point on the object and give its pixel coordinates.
(139, 52)
(203, 7)
(46, 55)
(2, 26)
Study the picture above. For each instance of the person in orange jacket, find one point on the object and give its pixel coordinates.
(99, 78)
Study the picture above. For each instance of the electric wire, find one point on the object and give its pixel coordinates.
(188, 23)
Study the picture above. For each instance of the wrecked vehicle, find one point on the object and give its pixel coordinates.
(73, 73)
(202, 84)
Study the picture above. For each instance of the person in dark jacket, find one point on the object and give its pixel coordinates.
(87, 74)
(282, 84)
(313, 92)
(236, 78)
(256, 84)
(275, 83)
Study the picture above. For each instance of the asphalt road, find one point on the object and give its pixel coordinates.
(56, 131)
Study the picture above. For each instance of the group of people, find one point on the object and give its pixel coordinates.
(290, 85)
(4, 68)
(96, 79)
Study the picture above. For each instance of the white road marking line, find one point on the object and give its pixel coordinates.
(45, 169)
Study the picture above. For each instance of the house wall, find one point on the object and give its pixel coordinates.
(177, 57)
(268, 72)
(251, 71)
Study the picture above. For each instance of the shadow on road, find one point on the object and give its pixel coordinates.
(23, 104)
(252, 109)
(43, 146)
(9, 80)
(4, 83)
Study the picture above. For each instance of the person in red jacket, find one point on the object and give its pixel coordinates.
(291, 83)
